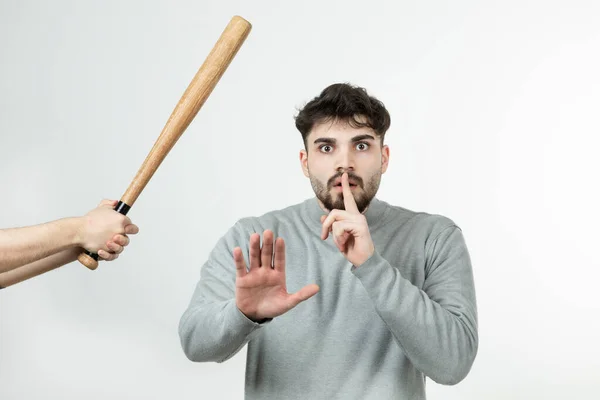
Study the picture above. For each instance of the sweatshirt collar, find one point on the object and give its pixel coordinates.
(374, 213)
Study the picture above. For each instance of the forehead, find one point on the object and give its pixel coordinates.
(339, 130)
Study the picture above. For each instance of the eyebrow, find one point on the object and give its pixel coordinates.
(333, 141)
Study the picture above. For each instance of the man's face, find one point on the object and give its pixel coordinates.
(333, 148)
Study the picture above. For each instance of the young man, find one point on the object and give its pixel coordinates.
(30, 251)
(395, 300)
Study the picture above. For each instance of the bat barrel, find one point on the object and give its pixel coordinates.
(193, 98)
(191, 101)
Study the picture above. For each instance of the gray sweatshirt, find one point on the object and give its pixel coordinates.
(373, 332)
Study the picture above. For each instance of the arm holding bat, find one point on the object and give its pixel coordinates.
(29, 251)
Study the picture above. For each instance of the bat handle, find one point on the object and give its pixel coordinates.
(90, 259)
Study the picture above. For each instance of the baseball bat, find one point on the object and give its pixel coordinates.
(193, 98)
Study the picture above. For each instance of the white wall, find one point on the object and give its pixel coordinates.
(494, 124)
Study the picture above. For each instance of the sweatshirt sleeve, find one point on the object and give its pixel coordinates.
(436, 327)
(213, 328)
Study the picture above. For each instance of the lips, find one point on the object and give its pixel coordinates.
(339, 184)
(353, 181)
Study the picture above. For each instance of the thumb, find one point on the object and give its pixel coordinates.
(303, 294)
(131, 229)
(108, 203)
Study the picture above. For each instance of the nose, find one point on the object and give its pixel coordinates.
(345, 161)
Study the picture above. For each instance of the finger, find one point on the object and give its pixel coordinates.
(339, 233)
(342, 232)
(349, 202)
(324, 233)
(122, 240)
(326, 224)
(108, 203)
(131, 229)
(340, 243)
(342, 228)
(279, 263)
(240, 264)
(115, 248)
(126, 221)
(334, 215)
(303, 294)
(339, 247)
(254, 251)
(106, 256)
(323, 217)
(266, 253)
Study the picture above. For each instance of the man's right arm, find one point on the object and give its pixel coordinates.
(213, 328)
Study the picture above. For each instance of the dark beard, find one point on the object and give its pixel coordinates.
(336, 201)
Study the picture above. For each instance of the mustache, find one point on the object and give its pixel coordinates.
(351, 176)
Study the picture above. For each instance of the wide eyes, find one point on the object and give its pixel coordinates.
(327, 148)
(362, 146)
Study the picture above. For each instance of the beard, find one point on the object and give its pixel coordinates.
(363, 197)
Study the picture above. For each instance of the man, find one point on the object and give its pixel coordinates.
(395, 300)
(30, 251)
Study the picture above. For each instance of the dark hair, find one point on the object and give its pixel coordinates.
(342, 101)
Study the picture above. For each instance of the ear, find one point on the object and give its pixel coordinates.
(385, 158)
(304, 162)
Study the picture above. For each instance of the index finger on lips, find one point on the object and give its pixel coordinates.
(349, 202)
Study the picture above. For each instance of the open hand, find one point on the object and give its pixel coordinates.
(261, 292)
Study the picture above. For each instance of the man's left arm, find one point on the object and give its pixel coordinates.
(436, 326)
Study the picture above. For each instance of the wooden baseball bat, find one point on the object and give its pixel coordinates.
(190, 103)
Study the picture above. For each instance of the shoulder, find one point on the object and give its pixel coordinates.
(270, 220)
(426, 223)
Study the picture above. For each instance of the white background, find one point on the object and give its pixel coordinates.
(494, 124)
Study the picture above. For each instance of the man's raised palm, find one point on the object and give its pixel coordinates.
(261, 292)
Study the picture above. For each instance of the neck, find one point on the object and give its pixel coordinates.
(374, 213)
(327, 211)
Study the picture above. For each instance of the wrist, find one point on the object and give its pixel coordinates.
(76, 228)
(365, 259)
(250, 315)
